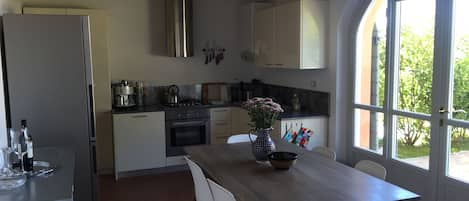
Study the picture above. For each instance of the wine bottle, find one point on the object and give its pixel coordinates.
(28, 161)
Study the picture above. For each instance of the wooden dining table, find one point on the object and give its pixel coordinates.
(312, 178)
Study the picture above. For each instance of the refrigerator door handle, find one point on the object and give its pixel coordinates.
(92, 113)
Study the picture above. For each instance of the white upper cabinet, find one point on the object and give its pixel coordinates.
(264, 37)
(291, 34)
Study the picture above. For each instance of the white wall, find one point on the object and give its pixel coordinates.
(136, 39)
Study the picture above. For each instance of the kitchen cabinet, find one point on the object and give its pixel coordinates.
(220, 124)
(139, 141)
(291, 34)
(228, 121)
(240, 121)
(264, 37)
(318, 126)
(101, 76)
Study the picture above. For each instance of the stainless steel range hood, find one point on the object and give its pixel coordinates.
(179, 28)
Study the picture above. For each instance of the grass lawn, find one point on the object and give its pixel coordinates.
(405, 151)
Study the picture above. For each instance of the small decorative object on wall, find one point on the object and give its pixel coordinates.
(263, 112)
(213, 53)
(300, 137)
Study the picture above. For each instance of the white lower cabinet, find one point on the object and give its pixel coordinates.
(139, 141)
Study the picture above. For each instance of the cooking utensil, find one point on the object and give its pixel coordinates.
(173, 95)
(124, 94)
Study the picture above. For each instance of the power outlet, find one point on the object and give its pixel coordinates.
(313, 84)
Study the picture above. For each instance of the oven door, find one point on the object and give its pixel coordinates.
(185, 133)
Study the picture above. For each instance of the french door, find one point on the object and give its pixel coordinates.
(452, 152)
(412, 99)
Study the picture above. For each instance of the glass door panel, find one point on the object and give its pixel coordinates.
(370, 73)
(457, 133)
(416, 38)
(412, 141)
(412, 85)
(458, 153)
(460, 62)
(370, 126)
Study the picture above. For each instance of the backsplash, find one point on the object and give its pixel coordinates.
(310, 101)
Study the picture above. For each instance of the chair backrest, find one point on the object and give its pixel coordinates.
(372, 168)
(324, 151)
(220, 193)
(240, 138)
(202, 190)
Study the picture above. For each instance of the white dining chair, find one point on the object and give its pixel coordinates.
(240, 138)
(372, 168)
(325, 152)
(219, 192)
(202, 189)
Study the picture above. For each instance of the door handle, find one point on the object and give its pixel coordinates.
(443, 110)
(140, 116)
(190, 123)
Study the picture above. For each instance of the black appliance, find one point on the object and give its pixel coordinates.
(185, 126)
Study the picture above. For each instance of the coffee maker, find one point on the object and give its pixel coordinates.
(124, 94)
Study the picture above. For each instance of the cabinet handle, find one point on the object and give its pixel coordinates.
(140, 116)
(269, 64)
(279, 64)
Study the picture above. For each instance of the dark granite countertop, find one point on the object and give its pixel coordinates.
(57, 186)
(287, 114)
(158, 108)
(138, 109)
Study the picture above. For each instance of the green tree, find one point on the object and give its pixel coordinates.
(415, 81)
(461, 86)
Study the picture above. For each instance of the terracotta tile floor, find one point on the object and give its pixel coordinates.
(175, 186)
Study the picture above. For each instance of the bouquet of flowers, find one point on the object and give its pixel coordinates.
(263, 112)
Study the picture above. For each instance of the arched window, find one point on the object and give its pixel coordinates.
(370, 78)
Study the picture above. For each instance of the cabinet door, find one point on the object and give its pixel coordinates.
(314, 33)
(287, 35)
(139, 141)
(264, 37)
(240, 121)
(220, 124)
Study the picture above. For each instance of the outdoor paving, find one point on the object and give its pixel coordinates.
(458, 164)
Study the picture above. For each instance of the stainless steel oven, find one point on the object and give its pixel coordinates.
(185, 127)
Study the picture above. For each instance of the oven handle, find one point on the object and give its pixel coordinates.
(188, 123)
